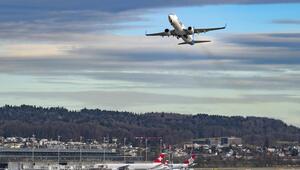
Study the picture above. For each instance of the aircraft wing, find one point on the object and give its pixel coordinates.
(194, 42)
(157, 166)
(123, 167)
(203, 30)
(172, 32)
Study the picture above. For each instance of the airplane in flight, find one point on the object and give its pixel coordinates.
(187, 34)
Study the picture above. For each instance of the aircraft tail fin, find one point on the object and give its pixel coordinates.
(191, 160)
(160, 158)
(194, 42)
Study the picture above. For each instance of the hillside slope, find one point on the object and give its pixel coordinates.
(175, 128)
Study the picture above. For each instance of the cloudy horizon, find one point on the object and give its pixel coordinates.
(86, 54)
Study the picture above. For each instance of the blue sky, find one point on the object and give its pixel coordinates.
(239, 18)
(80, 54)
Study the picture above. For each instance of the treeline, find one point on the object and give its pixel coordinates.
(26, 120)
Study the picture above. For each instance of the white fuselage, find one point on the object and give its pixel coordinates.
(179, 29)
(178, 166)
(134, 166)
(112, 166)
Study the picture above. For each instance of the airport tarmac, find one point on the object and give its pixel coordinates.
(87, 166)
(271, 168)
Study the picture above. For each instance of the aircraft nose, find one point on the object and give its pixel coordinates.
(170, 18)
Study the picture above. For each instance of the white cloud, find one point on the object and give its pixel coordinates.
(33, 50)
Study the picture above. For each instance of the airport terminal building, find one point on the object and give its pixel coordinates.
(63, 155)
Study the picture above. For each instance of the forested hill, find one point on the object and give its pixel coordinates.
(175, 128)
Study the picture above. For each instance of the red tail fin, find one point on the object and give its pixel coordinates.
(166, 162)
(190, 160)
(160, 158)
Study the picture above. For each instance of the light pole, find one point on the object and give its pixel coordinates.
(33, 137)
(146, 140)
(58, 146)
(124, 150)
(104, 149)
(160, 145)
(80, 156)
(32, 155)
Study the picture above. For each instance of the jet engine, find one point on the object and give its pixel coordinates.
(191, 30)
(167, 31)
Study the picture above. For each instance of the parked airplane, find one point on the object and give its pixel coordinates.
(180, 31)
(155, 165)
(185, 165)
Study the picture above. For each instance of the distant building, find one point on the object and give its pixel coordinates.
(26, 154)
(231, 141)
(202, 141)
(223, 141)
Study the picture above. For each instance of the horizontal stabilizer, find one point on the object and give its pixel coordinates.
(194, 42)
